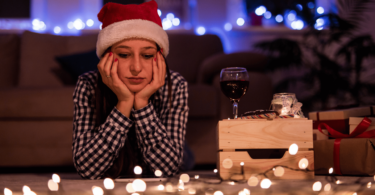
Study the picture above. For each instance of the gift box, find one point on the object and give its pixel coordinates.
(255, 146)
(356, 156)
(354, 121)
(317, 135)
(339, 119)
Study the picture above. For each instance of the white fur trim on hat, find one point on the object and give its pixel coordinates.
(126, 29)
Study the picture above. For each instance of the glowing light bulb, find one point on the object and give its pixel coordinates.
(240, 21)
(215, 170)
(70, 25)
(292, 15)
(109, 184)
(369, 185)
(317, 186)
(327, 187)
(192, 191)
(267, 15)
(265, 183)
(100, 26)
(169, 187)
(303, 163)
(355, 193)
(253, 181)
(139, 185)
(176, 21)
(338, 182)
(7, 191)
(52, 185)
(260, 10)
(297, 25)
(279, 171)
(78, 24)
(56, 178)
(137, 170)
(90, 22)
(167, 24)
(227, 163)
(330, 171)
(246, 191)
(158, 173)
(320, 10)
(57, 30)
(97, 190)
(135, 194)
(196, 176)
(231, 183)
(26, 189)
(129, 188)
(159, 12)
(181, 185)
(279, 18)
(218, 193)
(241, 192)
(228, 27)
(293, 149)
(242, 163)
(170, 16)
(184, 178)
(161, 187)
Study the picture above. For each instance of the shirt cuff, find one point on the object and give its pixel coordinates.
(120, 121)
(144, 114)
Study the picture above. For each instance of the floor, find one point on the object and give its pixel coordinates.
(206, 184)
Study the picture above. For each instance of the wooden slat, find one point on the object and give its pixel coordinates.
(253, 133)
(259, 166)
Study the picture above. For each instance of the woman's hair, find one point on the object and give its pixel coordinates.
(106, 100)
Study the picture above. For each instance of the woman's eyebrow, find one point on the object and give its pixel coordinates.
(123, 46)
(145, 48)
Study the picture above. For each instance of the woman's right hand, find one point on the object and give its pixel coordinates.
(108, 70)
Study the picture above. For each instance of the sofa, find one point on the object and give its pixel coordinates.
(36, 107)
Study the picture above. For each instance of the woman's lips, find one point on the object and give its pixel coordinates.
(136, 80)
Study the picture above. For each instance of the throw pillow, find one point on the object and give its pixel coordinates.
(76, 65)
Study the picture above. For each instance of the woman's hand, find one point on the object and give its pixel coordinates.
(158, 80)
(108, 70)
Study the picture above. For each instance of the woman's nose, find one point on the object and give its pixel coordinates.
(136, 66)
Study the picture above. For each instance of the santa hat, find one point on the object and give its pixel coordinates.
(121, 22)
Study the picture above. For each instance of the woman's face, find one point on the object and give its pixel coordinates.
(135, 58)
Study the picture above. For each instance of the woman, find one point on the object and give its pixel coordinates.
(133, 110)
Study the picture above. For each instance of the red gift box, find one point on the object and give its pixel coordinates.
(339, 119)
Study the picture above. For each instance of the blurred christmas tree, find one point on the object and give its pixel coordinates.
(333, 57)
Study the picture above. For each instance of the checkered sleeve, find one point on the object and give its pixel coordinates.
(95, 147)
(161, 136)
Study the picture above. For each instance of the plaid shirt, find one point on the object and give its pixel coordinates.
(160, 130)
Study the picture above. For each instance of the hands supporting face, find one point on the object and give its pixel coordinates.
(127, 99)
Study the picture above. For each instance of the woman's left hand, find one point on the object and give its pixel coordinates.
(158, 80)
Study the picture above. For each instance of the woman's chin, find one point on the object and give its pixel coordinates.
(136, 88)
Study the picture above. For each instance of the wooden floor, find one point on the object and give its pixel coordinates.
(207, 184)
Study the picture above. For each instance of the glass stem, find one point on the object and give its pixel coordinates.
(235, 109)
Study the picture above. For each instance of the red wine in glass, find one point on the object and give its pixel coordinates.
(234, 89)
(234, 82)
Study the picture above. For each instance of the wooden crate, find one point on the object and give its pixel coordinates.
(245, 134)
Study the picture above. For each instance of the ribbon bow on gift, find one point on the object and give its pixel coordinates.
(359, 132)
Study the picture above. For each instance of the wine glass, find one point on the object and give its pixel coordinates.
(234, 82)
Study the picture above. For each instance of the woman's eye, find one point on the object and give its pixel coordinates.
(148, 56)
(121, 55)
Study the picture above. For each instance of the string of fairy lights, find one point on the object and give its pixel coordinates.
(139, 186)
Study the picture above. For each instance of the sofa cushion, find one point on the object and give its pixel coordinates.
(212, 65)
(203, 101)
(77, 64)
(36, 103)
(9, 51)
(187, 52)
(38, 52)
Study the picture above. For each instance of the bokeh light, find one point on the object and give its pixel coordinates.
(240, 21)
(260, 10)
(293, 149)
(267, 15)
(320, 10)
(317, 186)
(90, 22)
(228, 26)
(279, 18)
(200, 30)
(265, 183)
